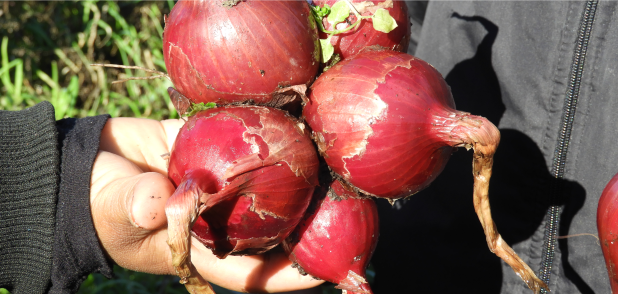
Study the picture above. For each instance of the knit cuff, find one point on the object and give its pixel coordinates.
(29, 164)
(77, 251)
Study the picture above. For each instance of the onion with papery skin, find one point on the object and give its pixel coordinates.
(353, 41)
(607, 225)
(234, 51)
(385, 122)
(244, 175)
(336, 239)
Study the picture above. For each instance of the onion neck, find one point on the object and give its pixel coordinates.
(471, 131)
(461, 129)
(181, 209)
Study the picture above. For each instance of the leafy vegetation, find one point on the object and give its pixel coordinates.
(48, 48)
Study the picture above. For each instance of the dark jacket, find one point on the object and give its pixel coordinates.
(546, 74)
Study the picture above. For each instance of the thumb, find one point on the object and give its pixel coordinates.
(129, 217)
(129, 203)
(128, 212)
(147, 202)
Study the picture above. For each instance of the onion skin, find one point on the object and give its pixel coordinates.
(354, 114)
(352, 42)
(244, 175)
(385, 122)
(607, 224)
(336, 240)
(250, 50)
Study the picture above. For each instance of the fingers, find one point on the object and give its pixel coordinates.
(269, 272)
(144, 142)
(171, 127)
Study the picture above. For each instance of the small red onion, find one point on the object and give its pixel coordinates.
(336, 239)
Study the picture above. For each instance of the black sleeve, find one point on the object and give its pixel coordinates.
(47, 239)
(77, 251)
(29, 175)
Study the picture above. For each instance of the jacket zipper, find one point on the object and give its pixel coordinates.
(552, 218)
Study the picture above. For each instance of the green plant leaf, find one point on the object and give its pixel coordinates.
(321, 11)
(327, 49)
(6, 78)
(195, 108)
(338, 13)
(383, 21)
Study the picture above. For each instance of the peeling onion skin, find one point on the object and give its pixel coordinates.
(385, 122)
(607, 224)
(352, 42)
(244, 175)
(364, 127)
(335, 240)
(249, 51)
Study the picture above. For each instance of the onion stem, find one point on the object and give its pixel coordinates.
(182, 210)
(483, 137)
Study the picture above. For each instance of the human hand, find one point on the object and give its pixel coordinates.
(129, 189)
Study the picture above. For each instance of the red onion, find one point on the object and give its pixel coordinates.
(244, 175)
(233, 51)
(353, 41)
(336, 239)
(385, 122)
(607, 224)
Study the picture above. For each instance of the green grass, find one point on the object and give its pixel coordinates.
(53, 44)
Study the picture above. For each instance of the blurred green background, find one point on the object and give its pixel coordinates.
(46, 51)
(47, 48)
